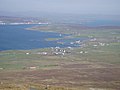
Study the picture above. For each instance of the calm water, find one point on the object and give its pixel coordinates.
(16, 37)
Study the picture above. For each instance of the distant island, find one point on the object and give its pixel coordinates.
(8, 20)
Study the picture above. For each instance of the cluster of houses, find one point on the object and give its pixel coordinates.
(76, 42)
(54, 51)
(58, 51)
(98, 43)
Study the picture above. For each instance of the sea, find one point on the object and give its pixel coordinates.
(16, 37)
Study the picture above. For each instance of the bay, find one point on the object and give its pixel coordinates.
(15, 37)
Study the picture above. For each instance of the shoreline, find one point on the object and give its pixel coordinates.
(74, 68)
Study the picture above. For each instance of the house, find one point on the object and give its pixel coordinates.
(1, 68)
(33, 67)
(27, 53)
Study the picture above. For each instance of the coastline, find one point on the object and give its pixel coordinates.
(54, 66)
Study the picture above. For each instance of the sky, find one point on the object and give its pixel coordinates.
(111, 7)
